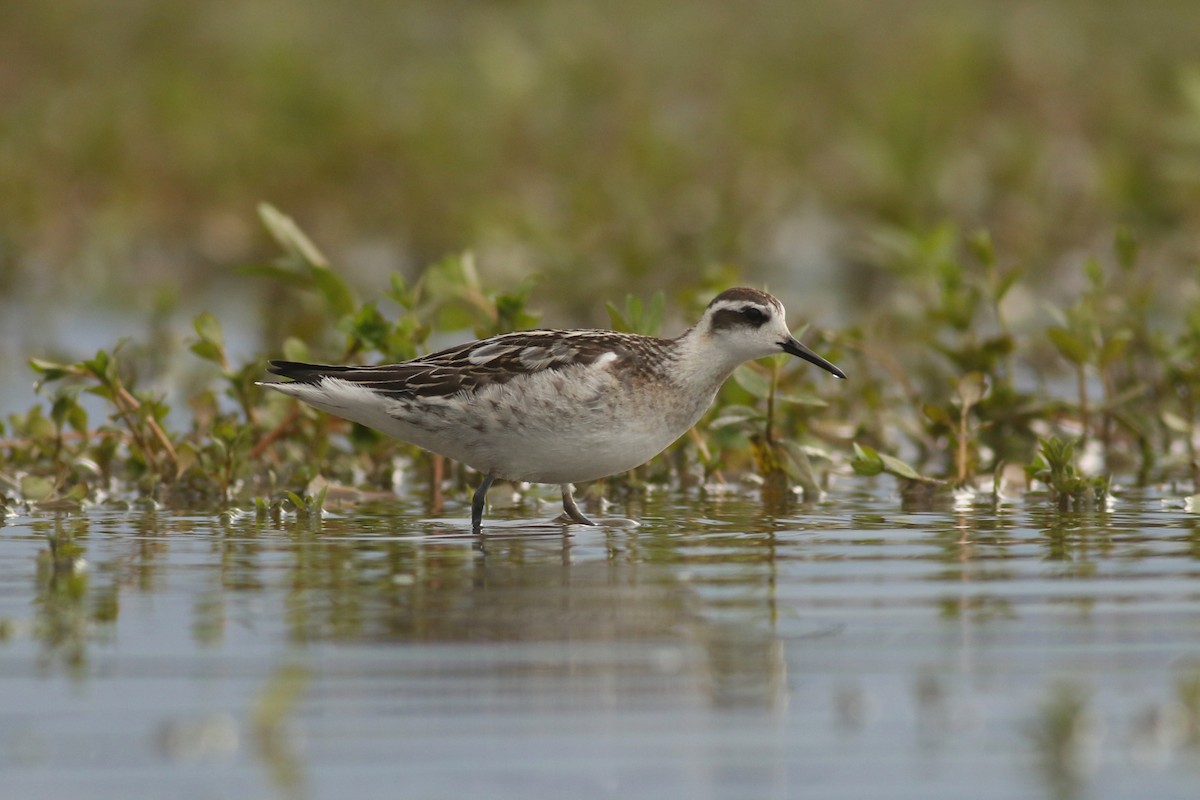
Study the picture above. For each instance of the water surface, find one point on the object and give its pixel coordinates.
(848, 649)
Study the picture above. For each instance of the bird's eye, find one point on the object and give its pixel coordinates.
(754, 315)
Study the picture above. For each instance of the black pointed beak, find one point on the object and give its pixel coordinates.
(791, 345)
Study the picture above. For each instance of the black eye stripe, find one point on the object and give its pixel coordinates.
(754, 315)
(747, 316)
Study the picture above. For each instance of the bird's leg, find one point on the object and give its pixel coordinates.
(477, 503)
(573, 510)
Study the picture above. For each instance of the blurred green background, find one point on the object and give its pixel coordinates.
(614, 147)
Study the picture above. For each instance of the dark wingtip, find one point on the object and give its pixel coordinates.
(298, 370)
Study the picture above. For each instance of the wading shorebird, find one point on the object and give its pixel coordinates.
(551, 406)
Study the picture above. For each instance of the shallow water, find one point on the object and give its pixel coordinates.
(851, 649)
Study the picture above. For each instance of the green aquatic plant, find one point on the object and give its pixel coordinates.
(637, 317)
(868, 462)
(777, 428)
(941, 336)
(932, 379)
(1107, 332)
(307, 508)
(1180, 412)
(957, 420)
(141, 414)
(1054, 465)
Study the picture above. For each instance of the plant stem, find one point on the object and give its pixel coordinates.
(276, 432)
(1084, 412)
(769, 433)
(962, 445)
(152, 424)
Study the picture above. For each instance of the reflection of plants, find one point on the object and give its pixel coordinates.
(271, 728)
(1187, 692)
(1063, 736)
(63, 623)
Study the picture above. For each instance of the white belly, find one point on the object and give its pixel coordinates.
(552, 428)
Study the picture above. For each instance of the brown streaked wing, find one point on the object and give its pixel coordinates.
(469, 366)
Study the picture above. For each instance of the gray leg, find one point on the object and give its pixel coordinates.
(478, 501)
(573, 510)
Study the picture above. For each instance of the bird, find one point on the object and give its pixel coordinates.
(554, 406)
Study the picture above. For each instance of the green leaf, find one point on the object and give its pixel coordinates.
(400, 292)
(35, 488)
(100, 391)
(209, 351)
(735, 415)
(61, 408)
(37, 426)
(981, 246)
(637, 317)
(1126, 246)
(295, 350)
(337, 294)
(799, 468)
(937, 414)
(299, 249)
(101, 365)
(1006, 282)
(1114, 349)
(186, 457)
(898, 468)
(753, 381)
(77, 418)
(652, 321)
(1071, 347)
(77, 493)
(616, 319)
(866, 461)
(49, 370)
(511, 311)
(367, 325)
(797, 399)
(289, 236)
(209, 329)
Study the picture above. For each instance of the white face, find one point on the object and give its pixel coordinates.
(748, 328)
(749, 324)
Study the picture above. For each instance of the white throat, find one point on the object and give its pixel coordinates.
(704, 360)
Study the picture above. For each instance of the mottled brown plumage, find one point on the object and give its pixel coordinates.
(498, 360)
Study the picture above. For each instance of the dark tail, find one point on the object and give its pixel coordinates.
(305, 373)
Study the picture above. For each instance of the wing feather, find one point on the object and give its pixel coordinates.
(469, 366)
